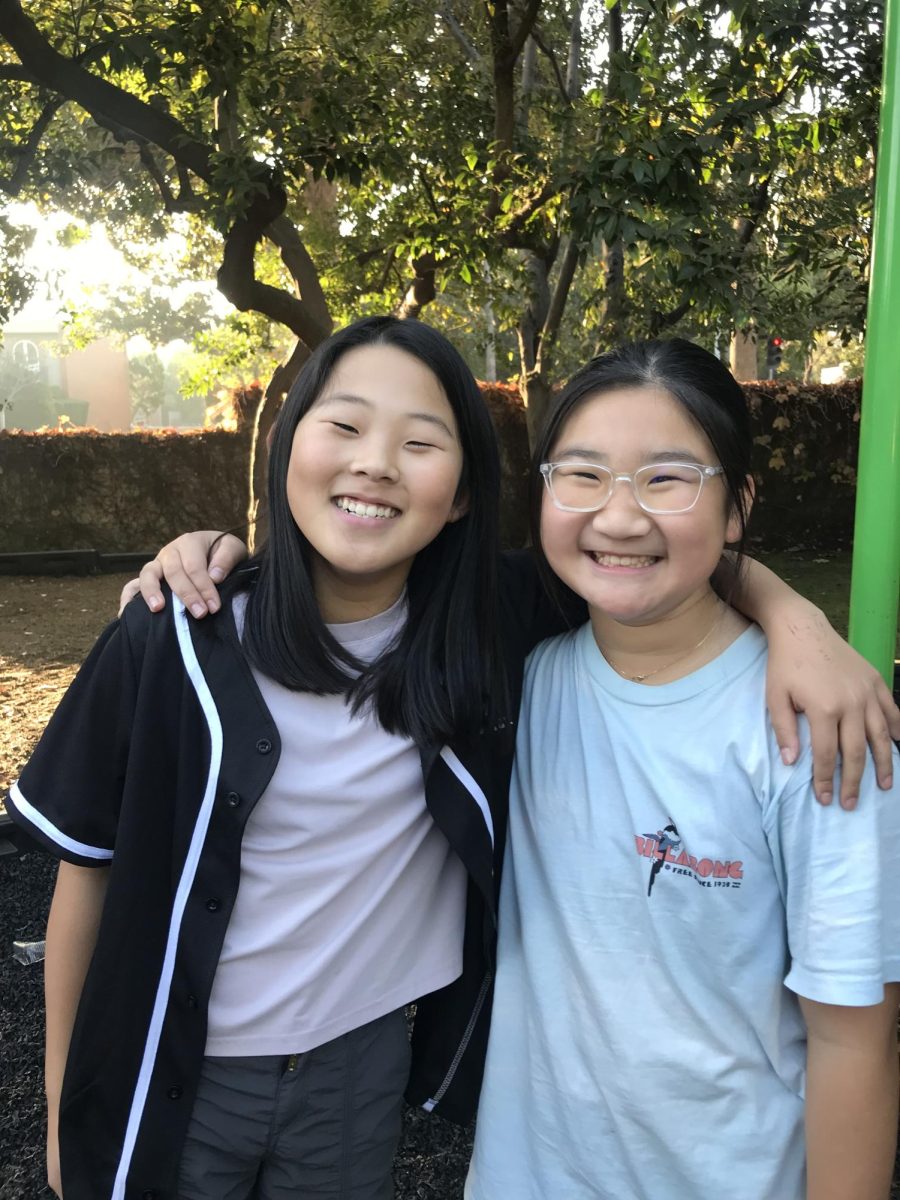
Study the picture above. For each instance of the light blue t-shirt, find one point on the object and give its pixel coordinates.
(669, 885)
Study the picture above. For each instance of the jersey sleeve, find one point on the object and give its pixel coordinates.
(69, 793)
(840, 877)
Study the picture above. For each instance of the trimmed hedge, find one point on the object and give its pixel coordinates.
(124, 492)
(82, 490)
(806, 448)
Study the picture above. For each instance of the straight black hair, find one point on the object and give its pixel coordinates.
(443, 678)
(706, 390)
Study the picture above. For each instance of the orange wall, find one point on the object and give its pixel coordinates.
(99, 374)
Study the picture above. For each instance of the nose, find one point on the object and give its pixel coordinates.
(622, 516)
(375, 459)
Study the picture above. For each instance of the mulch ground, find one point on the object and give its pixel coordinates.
(47, 626)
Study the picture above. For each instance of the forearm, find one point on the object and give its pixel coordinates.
(71, 937)
(851, 1121)
(763, 597)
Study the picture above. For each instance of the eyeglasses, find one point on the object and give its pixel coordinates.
(657, 487)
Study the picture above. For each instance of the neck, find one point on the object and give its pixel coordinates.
(672, 645)
(343, 600)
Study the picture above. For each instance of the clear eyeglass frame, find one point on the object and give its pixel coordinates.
(704, 472)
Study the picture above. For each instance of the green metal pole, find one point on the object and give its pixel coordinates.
(875, 584)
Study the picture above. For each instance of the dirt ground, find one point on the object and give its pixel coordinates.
(47, 625)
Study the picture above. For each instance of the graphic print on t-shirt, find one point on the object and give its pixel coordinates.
(666, 839)
(663, 848)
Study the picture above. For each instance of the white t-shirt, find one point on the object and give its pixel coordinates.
(351, 902)
(669, 885)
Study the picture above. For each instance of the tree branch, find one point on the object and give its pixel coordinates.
(133, 120)
(564, 281)
(660, 320)
(170, 202)
(385, 274)
(526, 26)
(238, 283)
(29, 150)
(317, 319)
(429, 194)
(573, 65)
(446, 12)
(517, 221)
(421, 290)
(747, 226)
(16, 72)
(547, 51)
(639, 33)
(104, 101)
(186, 191)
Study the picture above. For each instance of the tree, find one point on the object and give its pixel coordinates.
(638, 155)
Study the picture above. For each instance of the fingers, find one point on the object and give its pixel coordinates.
(784, 726)
(149, 582)
(878, 733)
(227, 553)
(183, 565)
(823, 733)
(888, 708)
(853, 750)
(128, 593)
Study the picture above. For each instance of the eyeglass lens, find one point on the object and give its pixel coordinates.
(669, 487)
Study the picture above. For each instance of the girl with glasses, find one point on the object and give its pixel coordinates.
(694, 962)
(433, 688)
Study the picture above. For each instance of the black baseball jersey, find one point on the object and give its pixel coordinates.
(151, 766)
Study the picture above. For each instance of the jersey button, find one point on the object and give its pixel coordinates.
(192, 1002)
(233, 799)
(264, 746)
(176, 1092)
(213, 905)
(149, 1195)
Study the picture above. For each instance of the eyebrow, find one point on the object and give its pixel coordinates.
(585, 454)
(350, 398)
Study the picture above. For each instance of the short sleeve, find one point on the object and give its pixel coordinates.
(69, 793)
(840, 877)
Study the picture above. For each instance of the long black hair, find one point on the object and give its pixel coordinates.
(704, 388)
(444, 676)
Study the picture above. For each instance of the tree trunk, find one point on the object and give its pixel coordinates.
(490, 346)
(264, 419)
(537, 394)
(743, 358)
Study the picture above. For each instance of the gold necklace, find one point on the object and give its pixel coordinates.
(671, 663)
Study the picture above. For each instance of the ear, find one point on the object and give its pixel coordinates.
(459, 509)
(748, 494)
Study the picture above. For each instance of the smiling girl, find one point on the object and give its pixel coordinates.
(698, 970)
(280, 826)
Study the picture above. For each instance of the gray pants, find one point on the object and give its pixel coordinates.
(322, 1125)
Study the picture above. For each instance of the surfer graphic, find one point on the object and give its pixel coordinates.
(666, 839)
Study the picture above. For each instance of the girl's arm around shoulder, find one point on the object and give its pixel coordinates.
(812, 670)
(851, 1098)
(191, 565)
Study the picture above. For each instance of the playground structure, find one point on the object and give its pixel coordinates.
(875, 584)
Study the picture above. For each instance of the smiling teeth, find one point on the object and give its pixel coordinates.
(624, 560)
(366, 510)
